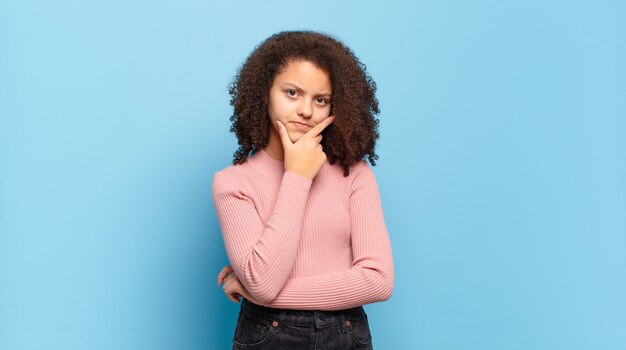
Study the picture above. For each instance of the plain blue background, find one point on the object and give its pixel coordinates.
(502, 169)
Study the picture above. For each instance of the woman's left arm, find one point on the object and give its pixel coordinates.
(371, 276)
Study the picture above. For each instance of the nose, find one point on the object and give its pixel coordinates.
(304, 109)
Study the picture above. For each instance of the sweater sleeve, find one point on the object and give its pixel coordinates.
(262, 255)
(371, 276)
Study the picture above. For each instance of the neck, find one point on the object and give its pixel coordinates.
(274, 146)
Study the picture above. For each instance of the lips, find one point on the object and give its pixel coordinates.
(301, 123)
(301, 126)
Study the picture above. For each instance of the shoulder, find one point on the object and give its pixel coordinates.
(229, 178)
(361, 169)
(361, 173)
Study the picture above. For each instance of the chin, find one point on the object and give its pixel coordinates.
(295, 139)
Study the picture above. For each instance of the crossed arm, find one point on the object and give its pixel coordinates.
(262, 264)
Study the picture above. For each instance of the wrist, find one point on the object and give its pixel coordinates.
(301, 174)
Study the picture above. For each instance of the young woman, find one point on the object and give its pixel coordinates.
(299, 209)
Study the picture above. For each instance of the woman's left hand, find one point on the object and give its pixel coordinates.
(233, 287)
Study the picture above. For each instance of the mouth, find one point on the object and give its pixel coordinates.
(301, 126)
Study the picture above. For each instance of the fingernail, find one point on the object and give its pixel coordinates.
(278, 124)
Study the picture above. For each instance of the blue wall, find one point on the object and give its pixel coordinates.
(502, 169)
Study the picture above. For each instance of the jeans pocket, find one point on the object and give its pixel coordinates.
(359, 330)
(251, 332)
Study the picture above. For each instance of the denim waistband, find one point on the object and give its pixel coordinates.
(299, 317)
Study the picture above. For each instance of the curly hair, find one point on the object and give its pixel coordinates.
(353, 134)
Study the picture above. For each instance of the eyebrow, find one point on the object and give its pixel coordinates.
(300, 89)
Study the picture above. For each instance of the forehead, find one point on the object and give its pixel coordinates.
(304, 74)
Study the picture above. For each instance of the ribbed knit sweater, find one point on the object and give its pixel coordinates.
(304, 244)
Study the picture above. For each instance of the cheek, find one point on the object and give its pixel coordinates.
(275, 113)
(322, 114)
(280, 108)
(274, 103)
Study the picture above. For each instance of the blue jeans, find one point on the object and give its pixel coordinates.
(260, 327)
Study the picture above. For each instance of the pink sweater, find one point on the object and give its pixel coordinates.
(301, 244)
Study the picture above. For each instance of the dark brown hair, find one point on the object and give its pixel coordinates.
(353, 134)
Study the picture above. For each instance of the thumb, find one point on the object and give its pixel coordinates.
(284, 136)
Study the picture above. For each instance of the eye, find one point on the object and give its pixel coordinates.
(322, 101)
(292, 93)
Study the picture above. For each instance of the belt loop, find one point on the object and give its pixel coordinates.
(343, 322)
(242, 306)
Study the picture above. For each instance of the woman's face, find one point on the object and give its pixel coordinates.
(299, 98)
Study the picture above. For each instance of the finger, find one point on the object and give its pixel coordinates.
(284, 135)
(233, 298)
(225, 271)
(220, 276)
(317, 129)
(231, 294)
(232, 291)
(228, 281)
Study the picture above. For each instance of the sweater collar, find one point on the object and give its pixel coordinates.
(262, 162)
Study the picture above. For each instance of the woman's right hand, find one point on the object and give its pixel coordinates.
(233, 288)
(305, 157)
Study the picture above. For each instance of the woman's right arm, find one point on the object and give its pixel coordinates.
(262, 255)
